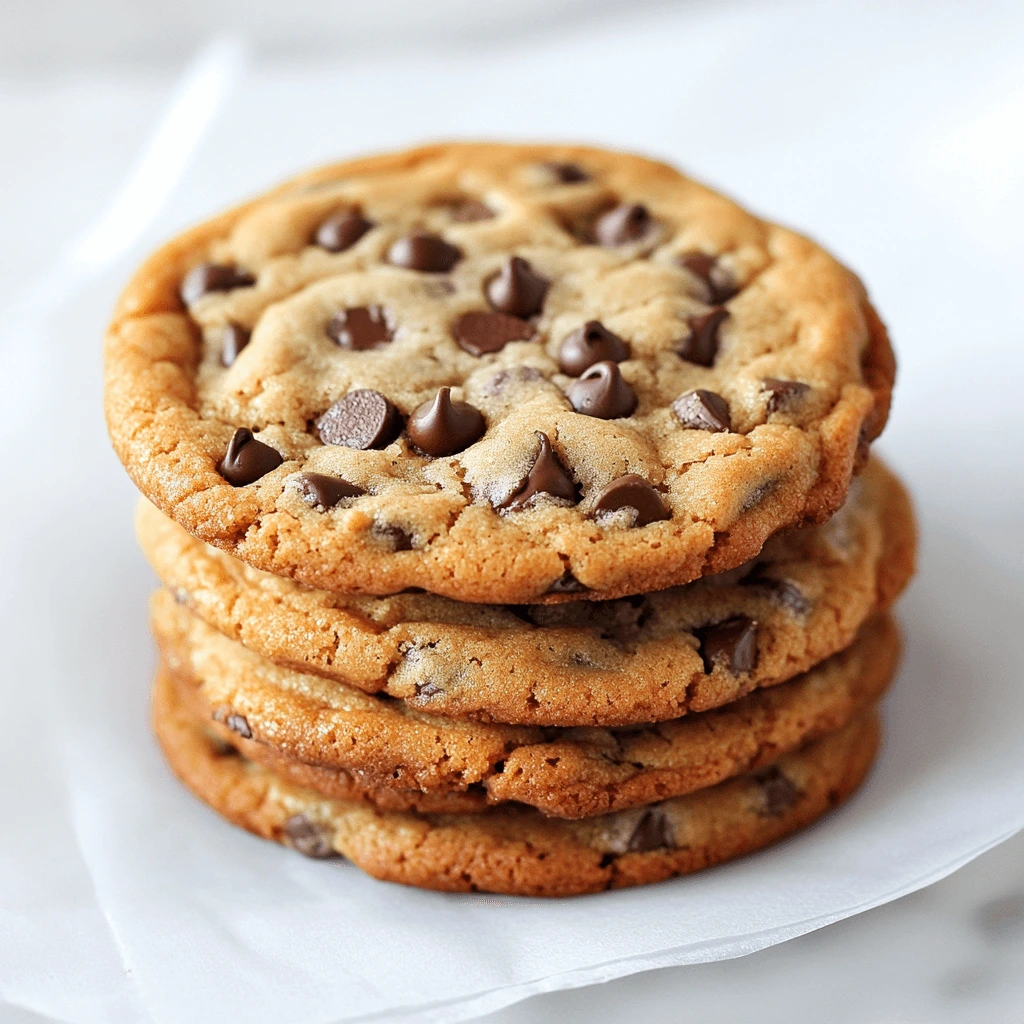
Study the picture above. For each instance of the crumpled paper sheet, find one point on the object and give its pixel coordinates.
(894, 132)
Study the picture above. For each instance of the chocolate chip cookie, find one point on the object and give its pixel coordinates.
(505, 374)
(619, 662)
(513, 849)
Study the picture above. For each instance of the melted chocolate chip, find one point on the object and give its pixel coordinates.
(393, 536)
(632, 491)
(479, 333)
(235, 338)
(567, 173)
(444, 427)
(360, 328)
(589, 344)
(718, 283)
(567, 584)
(309, 838)
(239, 724)
(653, 831)
(626, 223)
(782, 592)
(213, 277)
(363, 419)
(423, 252)
(703, 410)
(516, 289)
(499, 383)
(470, 210)
(732, 642)
(783, 394)
(324, 492)
(701, 346)
(546, 476)
(602, 392)
(342, 230)
(778, 791)
(247, 459)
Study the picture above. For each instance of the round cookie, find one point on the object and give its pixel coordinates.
(609, 663)
(458, 369)
(517, 850)
(284, 718)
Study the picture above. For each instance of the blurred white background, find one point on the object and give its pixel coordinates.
(914, 105)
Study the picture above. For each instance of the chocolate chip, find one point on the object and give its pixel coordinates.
(363, 419)
(567, 173)
(602, 392)
(626, 223)
(213, 277)
(701, 346)
(703, 410)
(429, 689)
(427, 253)
(342, 230)
(632, 491)
(324, 492)
(444, 427)
(546, 476)
(652, 832)
(393, 536)
(758, 494)
(733, 642)
(589, 344)
(779, 792)
(309, 838)
(499, 383)
(783, 394)
(718, 283)
(470, 210)
(360, 328)
(238, 723)
(781, 592)
(516, 289)
(247, 459)
(479, 333)
(235, 338)
(567, 584)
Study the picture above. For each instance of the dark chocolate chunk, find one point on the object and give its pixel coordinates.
(567, 584)
(235, 338)
(309, 838)
(238, 723)
(444, 427)
(567, 173)
(778, 791)
(360, 328)
(324, 492)
(732, 643)
(701, 346)
(517, 289)
(393, 536)
(589, 344)
(213, 277)
(247, 459)
(546, 476)
(781, 592)
(363, 419)
(626, 223)
(653, 831)
(342, 230)
(424, 252)
(479, 333)
(718, 283)
(469, 210)
(632, 491)
(703, 410)
(602, 392)
(783, 394)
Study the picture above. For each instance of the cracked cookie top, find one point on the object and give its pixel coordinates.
(497, 373)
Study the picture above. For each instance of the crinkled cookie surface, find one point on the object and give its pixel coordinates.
(497, 373)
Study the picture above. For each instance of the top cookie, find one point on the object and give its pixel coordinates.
(498, 373)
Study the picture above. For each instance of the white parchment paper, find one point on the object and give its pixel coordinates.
(895, 133)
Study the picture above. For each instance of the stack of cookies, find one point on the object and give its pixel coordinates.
(514, 516)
